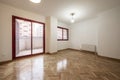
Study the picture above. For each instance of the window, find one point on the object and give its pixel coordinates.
(62, 34)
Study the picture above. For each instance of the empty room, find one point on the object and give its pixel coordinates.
(59, 39)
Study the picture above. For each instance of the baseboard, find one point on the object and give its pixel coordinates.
(5, 62)
(109, 58)
(63, 49)
(73, 49)
(51, 53)
(57, 51)
(89, 52)
(83, 51)
(47, 53)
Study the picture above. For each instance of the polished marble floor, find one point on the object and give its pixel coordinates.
(64, 65)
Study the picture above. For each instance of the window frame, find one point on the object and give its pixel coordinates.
(63, 34)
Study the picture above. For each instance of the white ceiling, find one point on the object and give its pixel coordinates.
(61, 9)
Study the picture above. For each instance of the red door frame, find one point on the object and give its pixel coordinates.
(14, 36)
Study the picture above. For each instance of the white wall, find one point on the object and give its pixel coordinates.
(63, 44)
(51, 29)
(109, 33)
(103, 31)
(84, 33)
(6, 13)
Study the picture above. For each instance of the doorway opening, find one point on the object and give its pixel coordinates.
(28, 37)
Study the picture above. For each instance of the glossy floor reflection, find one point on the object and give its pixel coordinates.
(65, 65)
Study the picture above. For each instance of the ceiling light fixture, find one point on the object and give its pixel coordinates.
(73, 17)
(35, 1)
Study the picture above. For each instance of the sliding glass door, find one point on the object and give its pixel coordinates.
(28, 37)
(23, 37)
(37, 38)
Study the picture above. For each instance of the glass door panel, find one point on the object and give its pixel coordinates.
(37, 38)
(23, 37)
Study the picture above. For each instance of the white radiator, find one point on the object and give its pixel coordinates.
(88, 47)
